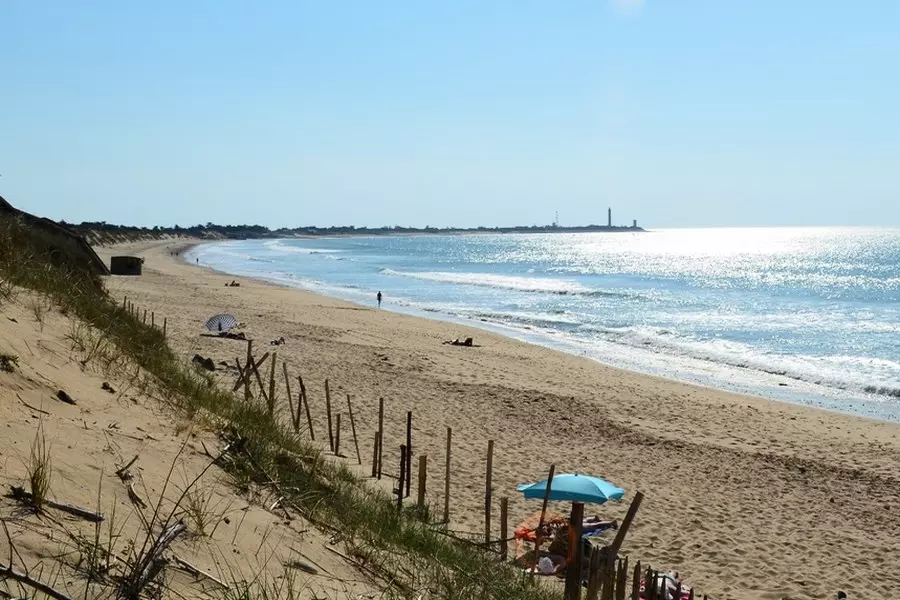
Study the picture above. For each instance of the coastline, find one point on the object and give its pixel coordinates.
(729, 376)
(739, 488)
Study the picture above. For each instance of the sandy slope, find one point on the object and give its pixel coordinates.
(749, 498)
(88, 442)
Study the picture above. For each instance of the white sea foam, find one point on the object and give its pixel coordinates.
(503, 282)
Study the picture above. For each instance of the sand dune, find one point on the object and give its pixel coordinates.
(88, 442)
(747, 498)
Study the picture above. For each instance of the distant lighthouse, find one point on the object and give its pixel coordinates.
(609, 217)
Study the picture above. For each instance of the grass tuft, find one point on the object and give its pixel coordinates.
(40, 470)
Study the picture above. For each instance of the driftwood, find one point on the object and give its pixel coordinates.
(34, 408)
(123, 472)
(19, 493)
(9, 572)
(133, 496)
(152, 562)
(186, 566)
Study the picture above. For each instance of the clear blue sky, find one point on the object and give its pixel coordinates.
(674, 112)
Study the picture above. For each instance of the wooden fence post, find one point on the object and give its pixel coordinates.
(400, 488)
(295, 422)
(248, 366)
(380, 436)
(145, 316)
(423, 476)
(305, 402)
(504, 515)
(125, 303)
(165, 322)
(626, 524)
(447, 477)
(255, 368)
(573, 572)
(594, 576)
(152, 319)
(487, 492)
(328, 415)
(353, 430)
(537, 538)
(271, 398)
(408, 451)
(636, 580)
(375, 455)
(622, 581)
(337, 437)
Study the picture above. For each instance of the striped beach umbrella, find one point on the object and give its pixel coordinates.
(221, 323)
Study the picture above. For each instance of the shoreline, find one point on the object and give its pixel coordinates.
(748, 497)
(731, 378)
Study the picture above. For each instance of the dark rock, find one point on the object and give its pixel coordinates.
(65, 397)
(206, 363)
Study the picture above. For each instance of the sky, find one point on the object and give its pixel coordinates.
(684, 113)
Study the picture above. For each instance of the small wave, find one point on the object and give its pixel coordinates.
(829, 372)
(548, 320)
(545, 285)
(278, 246)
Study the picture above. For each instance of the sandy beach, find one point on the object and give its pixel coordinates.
(746, 497)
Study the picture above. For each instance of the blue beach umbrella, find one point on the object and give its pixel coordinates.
(572, 487)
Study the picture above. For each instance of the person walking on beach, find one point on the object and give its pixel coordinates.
(379, 299)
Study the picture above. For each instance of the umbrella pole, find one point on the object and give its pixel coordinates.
(537, 537)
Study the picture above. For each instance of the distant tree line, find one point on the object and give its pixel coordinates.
(211, 230)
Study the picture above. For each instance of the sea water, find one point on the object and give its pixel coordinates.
(801, 315)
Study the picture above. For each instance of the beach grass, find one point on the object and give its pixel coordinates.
(407, 553)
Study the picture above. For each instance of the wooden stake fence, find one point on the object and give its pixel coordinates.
(408, 451)
(380, 436)
(400, 488)
(353, 429)
(447, 477)
(337, 437)
(247, 366)
(573, 571)
(295, 414)
(487, 492)
(608, 576)
(375, 454)
(504, 543)
(305, 401)
(537, 539)
(271, 399)
(423, 476)
(328, 415)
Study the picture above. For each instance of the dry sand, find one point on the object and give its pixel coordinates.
(748, 498)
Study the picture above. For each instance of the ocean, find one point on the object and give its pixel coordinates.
(805, 315)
